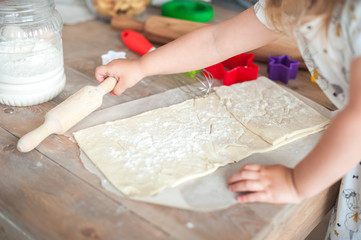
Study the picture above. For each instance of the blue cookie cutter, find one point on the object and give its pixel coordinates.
(282, 68)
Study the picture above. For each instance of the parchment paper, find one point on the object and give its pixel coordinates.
(208, 193)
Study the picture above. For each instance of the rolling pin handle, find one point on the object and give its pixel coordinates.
(32, 139)
(120, 22)
(107, 85)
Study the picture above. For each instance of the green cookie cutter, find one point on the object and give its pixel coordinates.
(188, 10)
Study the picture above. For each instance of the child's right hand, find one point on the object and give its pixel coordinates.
(264, 183)
(126, 72)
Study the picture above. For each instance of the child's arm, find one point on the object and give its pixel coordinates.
(337, 152)
(196, 50)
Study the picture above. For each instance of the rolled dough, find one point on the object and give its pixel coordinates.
(164, 147)
(270, 111)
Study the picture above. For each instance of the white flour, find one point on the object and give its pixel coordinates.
(28, 58)
(31, 70)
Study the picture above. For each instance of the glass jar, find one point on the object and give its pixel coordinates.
(31, 52)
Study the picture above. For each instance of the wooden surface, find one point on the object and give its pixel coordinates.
(47, 193)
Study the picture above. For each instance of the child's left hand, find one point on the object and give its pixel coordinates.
(269, 183)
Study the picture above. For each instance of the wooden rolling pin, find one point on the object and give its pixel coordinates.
(68, 113)
(163, 30)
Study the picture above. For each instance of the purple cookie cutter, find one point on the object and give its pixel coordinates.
(282, 68)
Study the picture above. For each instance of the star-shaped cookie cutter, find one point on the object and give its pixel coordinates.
(282, 68)
(237, 69)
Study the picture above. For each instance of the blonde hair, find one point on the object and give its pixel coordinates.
(285, 15)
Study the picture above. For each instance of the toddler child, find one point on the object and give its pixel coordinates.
(328, 33)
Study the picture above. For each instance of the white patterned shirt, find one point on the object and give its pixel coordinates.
(328, 58)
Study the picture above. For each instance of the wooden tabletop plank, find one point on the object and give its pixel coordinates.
(48, 202)
(242, 221)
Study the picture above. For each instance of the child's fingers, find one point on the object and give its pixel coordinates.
(252, 166)
(246, 186)
(119, 88)
(100, 78)
(101, 73)
(253, 197)
(243, 175)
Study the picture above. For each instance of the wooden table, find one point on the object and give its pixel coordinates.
(48, 194)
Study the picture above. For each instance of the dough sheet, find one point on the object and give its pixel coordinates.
(270, 111)
(164, 147)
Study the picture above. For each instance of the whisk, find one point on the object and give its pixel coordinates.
(198, 83)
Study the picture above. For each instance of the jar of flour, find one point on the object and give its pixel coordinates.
(31, 52)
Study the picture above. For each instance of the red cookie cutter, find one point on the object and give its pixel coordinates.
(237, 69)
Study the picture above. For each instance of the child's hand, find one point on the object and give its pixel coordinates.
(272, 184)
(126, 72)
